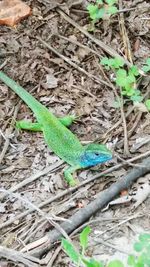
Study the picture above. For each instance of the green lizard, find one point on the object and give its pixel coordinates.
(57, 136)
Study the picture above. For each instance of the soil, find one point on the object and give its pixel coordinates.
(64, 90)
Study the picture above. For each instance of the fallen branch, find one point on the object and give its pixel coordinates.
(81, 216)
(72, 189)
(18, 257)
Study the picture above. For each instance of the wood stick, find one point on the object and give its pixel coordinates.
(81, 216)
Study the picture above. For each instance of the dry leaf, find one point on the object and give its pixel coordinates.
(2, 208)
(82, 52)
(51, 81)
(141, 195)
(118, 201)
(140, 106)
(11, 12)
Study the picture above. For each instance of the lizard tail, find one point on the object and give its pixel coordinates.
(32, 103)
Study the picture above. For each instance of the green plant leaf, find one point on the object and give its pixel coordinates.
(115, 263)
(144, 258)
(131, 260)
(147, 261)
(121, 76)
(140, 261)
(70, 251)
(92, 263)
(122, 73)
(136, 98)
(100, 13)
(99, 2)
(111, 2)
(84, 237)
(145, 237)
(93, 9)
(148, 61)
(112, 10)
(129, 90)
(137, 92)
(134, 71)
(131, 78)
(138, 246)
(146, 68)
(147, 104)
(95, 12)
(115, 63)
(105, 61)
(129, 85)
(139, 264)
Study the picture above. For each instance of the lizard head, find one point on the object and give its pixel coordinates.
(95, 154)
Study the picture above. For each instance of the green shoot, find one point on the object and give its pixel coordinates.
(114, 63)
(92, 263)
(102, 9)
(115, 263)
(140, 259)
(147, 104)
(70, 251)
(126, 79)
(142, 247)
(146, 68)
(84, 238)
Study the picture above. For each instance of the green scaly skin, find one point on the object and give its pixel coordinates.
(56, 134)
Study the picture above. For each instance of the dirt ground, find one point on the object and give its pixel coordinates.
(80, 89)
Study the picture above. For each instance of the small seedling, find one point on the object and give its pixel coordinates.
(71, 251)
(112, 63)
(127, 82)
(143, 248)
(84, 238)
(140, 259)
(146, 68)
(102, 9)
(147, 104)
(126, 79)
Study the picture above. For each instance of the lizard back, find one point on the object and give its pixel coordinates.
(58, 138)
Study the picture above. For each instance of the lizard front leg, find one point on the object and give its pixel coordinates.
(36, 127)
(68, 175)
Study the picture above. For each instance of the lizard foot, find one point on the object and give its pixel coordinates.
(69, 177)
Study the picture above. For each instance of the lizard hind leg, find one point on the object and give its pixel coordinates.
(67, 120)
(26, 125)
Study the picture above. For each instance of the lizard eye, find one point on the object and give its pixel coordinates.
(96, 154)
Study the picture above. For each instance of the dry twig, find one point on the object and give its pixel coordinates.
(74, 65)
(18, 257)
(102, 45)
(7, 142)
(34, 177)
